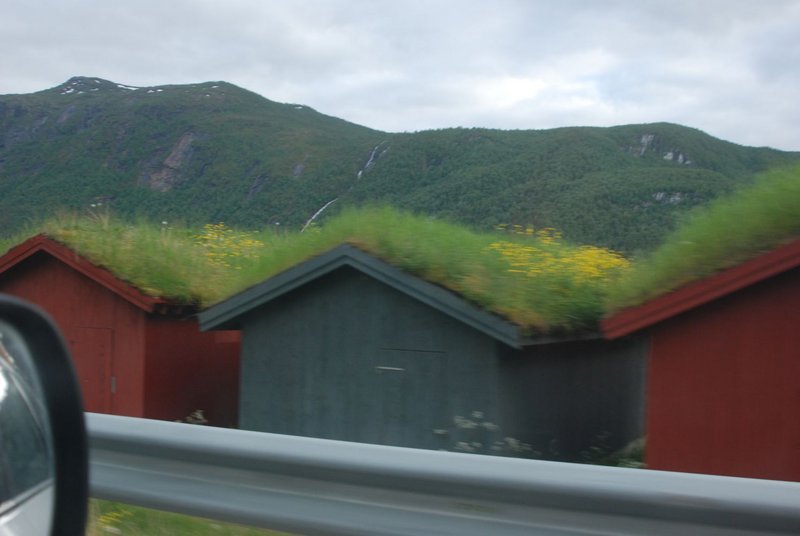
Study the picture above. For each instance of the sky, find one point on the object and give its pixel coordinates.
(728, 67)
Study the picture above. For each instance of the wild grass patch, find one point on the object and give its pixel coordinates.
(107, 518)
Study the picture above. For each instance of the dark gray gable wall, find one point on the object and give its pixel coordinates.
(348, 357)
(345, 346)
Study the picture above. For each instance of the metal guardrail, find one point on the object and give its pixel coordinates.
(315, 486)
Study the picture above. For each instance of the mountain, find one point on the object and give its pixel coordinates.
(215, 152)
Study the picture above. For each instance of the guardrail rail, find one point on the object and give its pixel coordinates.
(316, 486)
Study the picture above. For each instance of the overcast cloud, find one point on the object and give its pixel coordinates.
(728, 67)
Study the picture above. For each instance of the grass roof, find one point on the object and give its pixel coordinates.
(159, 261)
(729, 231)
(532, 278)
(498, 271)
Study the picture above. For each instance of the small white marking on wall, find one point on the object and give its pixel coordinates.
(389, 369)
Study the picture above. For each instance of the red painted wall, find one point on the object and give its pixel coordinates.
(188, 370)
(103, 331)
(724, 385)
(130, 362)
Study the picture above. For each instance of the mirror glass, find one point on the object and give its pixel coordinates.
(26, 450)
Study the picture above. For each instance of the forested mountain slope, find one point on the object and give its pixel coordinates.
(215, 152)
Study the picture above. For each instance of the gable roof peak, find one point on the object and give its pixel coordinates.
(228, 313)
(42, 243)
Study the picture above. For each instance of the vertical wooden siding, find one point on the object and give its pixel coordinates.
(346, 357)
(568, 397)
(188, 370)
(724, 385)
(104, 332)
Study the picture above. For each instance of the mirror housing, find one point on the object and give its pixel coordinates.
(44, 445)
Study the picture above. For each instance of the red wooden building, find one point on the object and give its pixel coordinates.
(135, 354)
(723, 393)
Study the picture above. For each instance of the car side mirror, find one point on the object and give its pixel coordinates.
(43, 446)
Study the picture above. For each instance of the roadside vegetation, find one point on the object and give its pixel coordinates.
(728, 231)
(107, 517)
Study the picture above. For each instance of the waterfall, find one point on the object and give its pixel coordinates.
(317, 213)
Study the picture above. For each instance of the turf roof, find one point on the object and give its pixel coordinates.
(171, 262)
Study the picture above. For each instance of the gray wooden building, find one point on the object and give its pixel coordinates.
(346, 346)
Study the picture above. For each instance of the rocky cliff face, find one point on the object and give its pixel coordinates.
(164, 175)
(652, 143)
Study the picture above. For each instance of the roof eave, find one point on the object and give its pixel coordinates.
(695, 294)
